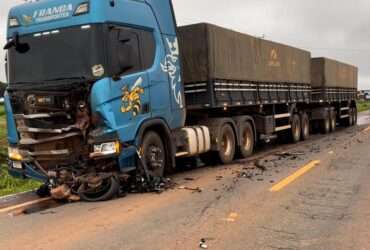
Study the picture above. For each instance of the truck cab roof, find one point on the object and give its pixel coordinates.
(46, 15)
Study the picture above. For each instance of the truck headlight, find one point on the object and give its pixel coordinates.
(82, 9)
(105, 149)
(14, 154)
(13, 22)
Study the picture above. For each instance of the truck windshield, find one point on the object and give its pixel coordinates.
(76, 52)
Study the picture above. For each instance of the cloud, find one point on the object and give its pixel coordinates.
(332, 28)
(4, 10)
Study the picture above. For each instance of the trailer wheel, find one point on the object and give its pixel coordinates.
(247, 140)
(296, 129)
(354, 116)
(154, 154)
(226, 144)
(350, 118)
(305, 124)
(325, 124)
(333, 121)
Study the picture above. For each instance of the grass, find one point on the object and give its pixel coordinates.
(8, 184)
(363, 106)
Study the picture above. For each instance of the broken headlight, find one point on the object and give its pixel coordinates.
(14, 154)
(106, 149)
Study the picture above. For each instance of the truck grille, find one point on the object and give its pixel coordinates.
(47, 124)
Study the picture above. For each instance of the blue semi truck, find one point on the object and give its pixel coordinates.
(108, 92)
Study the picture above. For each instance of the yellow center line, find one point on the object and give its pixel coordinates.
(29, 203)
(282, 184)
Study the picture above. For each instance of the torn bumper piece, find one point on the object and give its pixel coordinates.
(25, 170)
(29, 141)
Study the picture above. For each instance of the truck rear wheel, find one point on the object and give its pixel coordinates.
(305, 124)
(247, 140)
(333, 121)
(296, 129)
(226, 144)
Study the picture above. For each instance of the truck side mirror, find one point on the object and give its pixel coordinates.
(19, 47)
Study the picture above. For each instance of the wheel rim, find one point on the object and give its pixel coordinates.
(296, 132)
(327, 125)
(305, 128)
(333, 122)
(296, 129)
(226, 144)
(247, 140)
(154, 158)
(97, 193)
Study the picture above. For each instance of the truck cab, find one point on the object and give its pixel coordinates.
(89, 82)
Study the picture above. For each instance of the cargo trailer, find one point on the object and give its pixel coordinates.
(332, 80)
(142, 93)
(224, 68)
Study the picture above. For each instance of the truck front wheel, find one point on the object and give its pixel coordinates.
(154, 154)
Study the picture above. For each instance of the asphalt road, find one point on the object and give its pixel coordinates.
(313, 195)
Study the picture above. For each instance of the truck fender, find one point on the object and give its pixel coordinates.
(159, 126)
(239, 120)
(214, 125)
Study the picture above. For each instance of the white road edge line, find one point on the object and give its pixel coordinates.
(14, 195)
(8, 209)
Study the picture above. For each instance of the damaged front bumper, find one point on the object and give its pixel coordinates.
(25, 170)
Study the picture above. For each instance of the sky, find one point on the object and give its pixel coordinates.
(329, 28)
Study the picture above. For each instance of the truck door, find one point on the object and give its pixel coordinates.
(130, 84)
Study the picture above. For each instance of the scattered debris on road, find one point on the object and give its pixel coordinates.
(63, 192)
(195, 190)
(202, 244)
(218, 178)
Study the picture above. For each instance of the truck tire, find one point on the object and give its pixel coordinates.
(333, 121)
(226, 144)
(154, 154)
(109, 190)
(305, 124)
(325, 124)
(354, 115)
(43, 191)
(296, 129)
(247, 140)
(350, 118)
